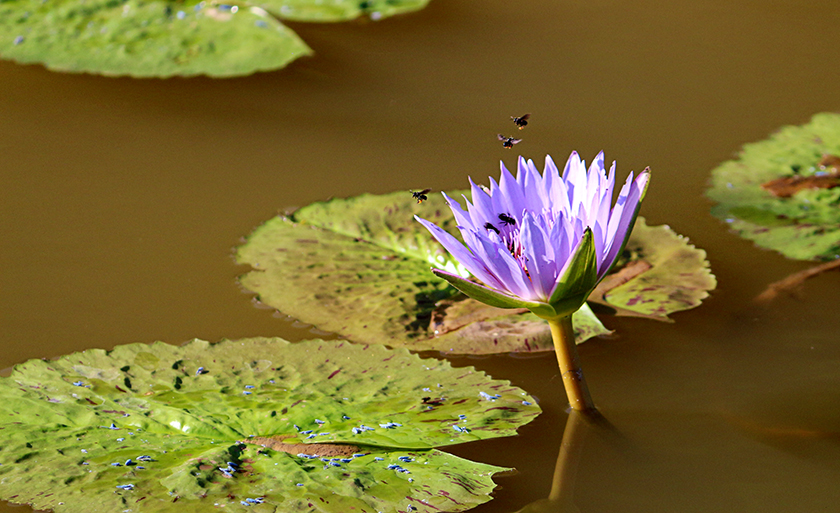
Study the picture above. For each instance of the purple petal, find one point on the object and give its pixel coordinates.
(484, 251)
(611, 177)
(593, 181)
(602, 215)
(531, 184)
(573, 162)
(452, 245)
(599, 238)
(625, 223)
(514, 278)
(576, 179)
(497, 199)
(535, 247)
(512, 199)
(552, 180)
(499, 266)
(482, 206)
(560, 239)
(461, 217)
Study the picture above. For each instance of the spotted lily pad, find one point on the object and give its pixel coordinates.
(254, 424)
(161, 38)
(359, 267)
(660, 273)
(782, 193)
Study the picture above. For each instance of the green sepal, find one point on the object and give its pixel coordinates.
(484, 294)
(577, 282)
(563, 308)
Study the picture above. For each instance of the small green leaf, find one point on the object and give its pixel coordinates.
(359, 267)
(806, 224)
(216, 425)
(659, 273)
(161, 38)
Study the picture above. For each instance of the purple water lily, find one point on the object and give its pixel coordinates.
(525, 234)
(542, 242)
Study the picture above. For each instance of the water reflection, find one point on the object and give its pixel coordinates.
(578, 427)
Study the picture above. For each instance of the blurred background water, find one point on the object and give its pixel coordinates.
(121, 201)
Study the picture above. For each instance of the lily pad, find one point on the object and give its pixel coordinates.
(161, 38)
(782, 194)
(359, 267)
(254, 424)
(660, 273)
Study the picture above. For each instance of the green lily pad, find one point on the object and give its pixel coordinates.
(801, 221)
(254, 424)
(660, 273)
(359, 267)
(161, 38)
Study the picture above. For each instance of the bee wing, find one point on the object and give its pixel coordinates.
(515, 141)
(525, 117)
(501, 137)
(425, 191)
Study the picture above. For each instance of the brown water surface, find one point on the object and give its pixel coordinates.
(121, 200)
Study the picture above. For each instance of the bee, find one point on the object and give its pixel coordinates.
(506, 220)
(489, 226)
(508, 142)
(420, 196)
(520, 121)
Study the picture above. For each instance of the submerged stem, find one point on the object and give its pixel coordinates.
(563, 335)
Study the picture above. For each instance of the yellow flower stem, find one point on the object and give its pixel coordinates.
(563, 335)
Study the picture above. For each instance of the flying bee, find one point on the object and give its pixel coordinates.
(508, 142)
(420, 196)
(506, 220)
(489, 226)
(520, 121)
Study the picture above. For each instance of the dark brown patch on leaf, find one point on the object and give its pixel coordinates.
(787, 186)
(326, 450)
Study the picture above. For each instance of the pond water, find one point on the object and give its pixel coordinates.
(122, 199)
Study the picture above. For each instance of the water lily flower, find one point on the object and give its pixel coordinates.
(543, 242)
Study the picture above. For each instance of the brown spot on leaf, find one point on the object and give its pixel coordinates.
(830, 162)
(325, 450)
(787, 186)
